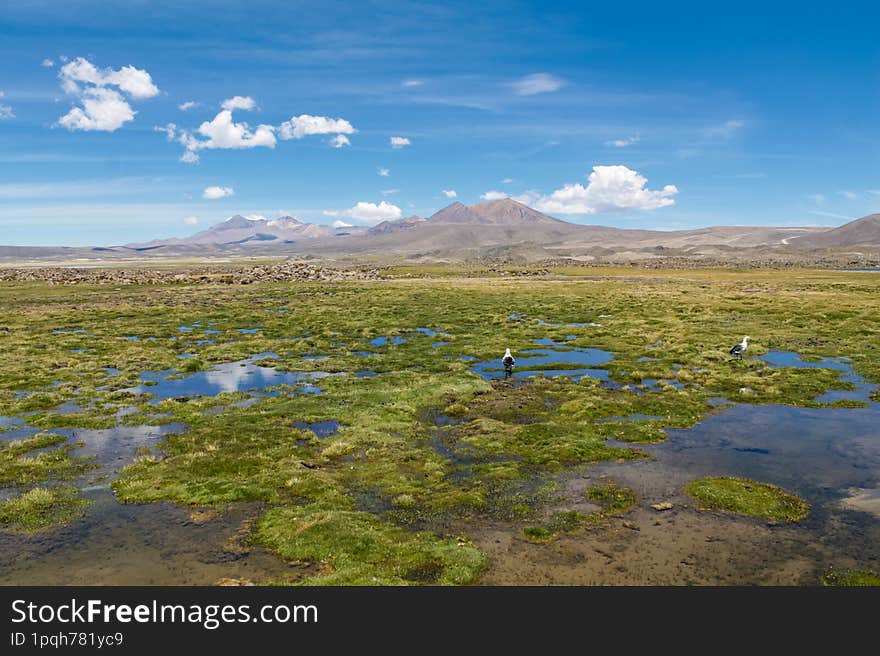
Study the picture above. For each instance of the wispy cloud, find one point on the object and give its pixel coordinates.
(623, 143)
(831, 214)
(724, 130)
(531, 85)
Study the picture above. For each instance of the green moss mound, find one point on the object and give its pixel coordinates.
(42, 508)
(358, 548)
(613, 498)
(747, 497)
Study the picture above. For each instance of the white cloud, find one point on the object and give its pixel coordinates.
(47, 63)
(724, 131)
(527, 197)
(339, 141)
(189, 157)
(399, 142)
(369, 213)
(213, 193)
(341, 224)
(191, 220)
(188, 105)
(388, 192)
(384, 172)
(238, 102)
(222, 132)
(623, 143)
(450, 193)
(506, 180)
(413, 83)
(305, 124)
(104, 108)
(849, 195)
(493, 195)
(537, 83)
(610, 189)
(169, 129)
(255, 217)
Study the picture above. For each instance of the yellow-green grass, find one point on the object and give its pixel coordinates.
(747, 497)
(42, 508)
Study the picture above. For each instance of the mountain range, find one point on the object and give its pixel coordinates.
(501, 228)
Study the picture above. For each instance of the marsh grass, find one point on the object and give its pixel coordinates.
(747, 497)
(42, 508)
(19, 465)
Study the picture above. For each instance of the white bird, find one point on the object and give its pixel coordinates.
(508, 361)
(738, 350)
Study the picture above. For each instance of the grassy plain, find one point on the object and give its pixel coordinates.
(374, 503)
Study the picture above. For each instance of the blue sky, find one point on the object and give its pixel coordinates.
(684, 115)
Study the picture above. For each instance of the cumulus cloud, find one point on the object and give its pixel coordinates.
(609, 189)
(531, 85)
(493, 195)
(238, 102)
(222, 132)
(384, 172)
(339, 141)
(399, 142)
(450, 193)
(213, 193)
(369, 213)
(47, 63)
(186, 106)
(623, 143)
(191, 220)
(102, 109)
(103, 94)
(305, 124)
(341, 224)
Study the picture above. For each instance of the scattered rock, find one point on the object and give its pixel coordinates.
(287, 271)
(660, 507)
(227, 582)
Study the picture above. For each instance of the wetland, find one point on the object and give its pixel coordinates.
(363, 432)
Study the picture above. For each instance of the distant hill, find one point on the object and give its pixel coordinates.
(241, 230)
(502, 229)
(861, 232)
